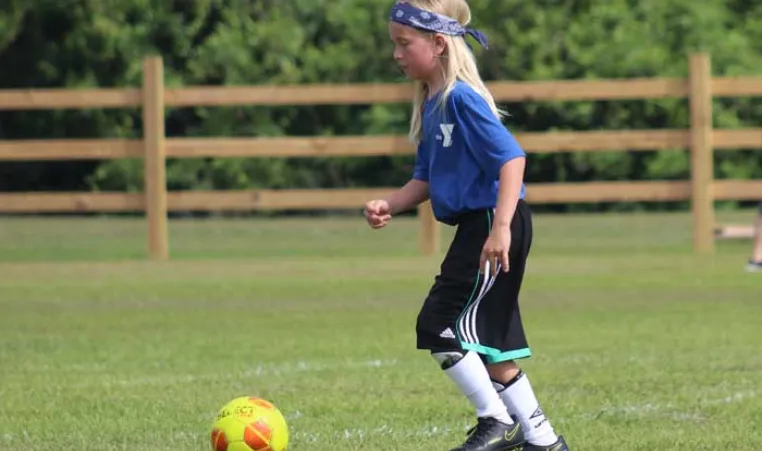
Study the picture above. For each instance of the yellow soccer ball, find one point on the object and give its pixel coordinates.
(249, 424)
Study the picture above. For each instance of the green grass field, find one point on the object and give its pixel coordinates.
(638, 343)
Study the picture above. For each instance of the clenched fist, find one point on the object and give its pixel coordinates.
(378, 213)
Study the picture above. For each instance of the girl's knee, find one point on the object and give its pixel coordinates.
(503, 371)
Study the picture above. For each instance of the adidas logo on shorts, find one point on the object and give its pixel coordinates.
(447, 333)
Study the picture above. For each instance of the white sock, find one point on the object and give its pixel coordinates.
(520, 400)
(472, 378)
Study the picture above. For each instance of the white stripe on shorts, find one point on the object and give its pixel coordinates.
(467, 321)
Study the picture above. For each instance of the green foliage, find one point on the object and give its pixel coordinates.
(79, 43)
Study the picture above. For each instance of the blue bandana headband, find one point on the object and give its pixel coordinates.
(406, 14)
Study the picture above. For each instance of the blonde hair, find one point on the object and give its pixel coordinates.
(458, 64)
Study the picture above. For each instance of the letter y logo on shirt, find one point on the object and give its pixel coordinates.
(447, 132)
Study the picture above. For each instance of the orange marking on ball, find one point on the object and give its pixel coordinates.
(219, 441)
(261, 403)
(257, 436)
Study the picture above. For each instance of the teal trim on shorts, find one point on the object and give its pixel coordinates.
(510, 355)
(495, 355)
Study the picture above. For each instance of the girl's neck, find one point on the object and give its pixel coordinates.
(434, 85)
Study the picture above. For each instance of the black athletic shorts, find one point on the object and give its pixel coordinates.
(466, 310)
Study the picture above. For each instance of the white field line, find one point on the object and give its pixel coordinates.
(670, 410)
(97, 369)
(430, 431)
(98, 379)
(252, 372)
(358, 434)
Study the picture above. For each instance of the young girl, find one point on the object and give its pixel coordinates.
(472, 169)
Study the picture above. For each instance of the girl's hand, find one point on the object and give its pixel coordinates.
(495, 250)
(378, 213)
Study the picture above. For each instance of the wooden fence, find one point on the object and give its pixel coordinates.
(701, 138)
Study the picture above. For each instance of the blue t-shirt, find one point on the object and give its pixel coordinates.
(462, 148)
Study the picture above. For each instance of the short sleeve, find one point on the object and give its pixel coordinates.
(421, 170)
(485, 136)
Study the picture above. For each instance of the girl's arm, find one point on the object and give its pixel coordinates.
(408, 197)
(511, 178)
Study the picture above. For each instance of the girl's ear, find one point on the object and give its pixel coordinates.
(440, 45)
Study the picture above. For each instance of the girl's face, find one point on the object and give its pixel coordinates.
(417, 53)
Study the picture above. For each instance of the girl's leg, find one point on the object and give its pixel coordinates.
(514, 389)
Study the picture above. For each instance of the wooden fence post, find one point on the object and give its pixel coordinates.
(702, 154)
(155, 157)
(429, 229)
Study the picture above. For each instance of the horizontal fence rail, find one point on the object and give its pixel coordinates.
(344, 146)
(309, 199)
(361, 94)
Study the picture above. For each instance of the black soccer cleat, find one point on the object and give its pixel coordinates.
(490, 434)
(560, 445)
